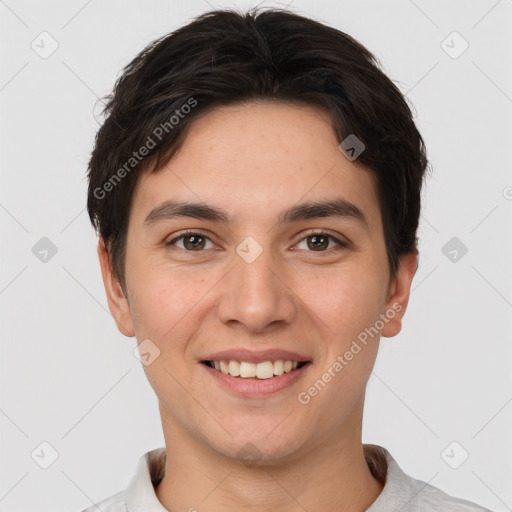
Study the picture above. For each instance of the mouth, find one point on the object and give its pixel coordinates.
(249, 370)
(255, 380)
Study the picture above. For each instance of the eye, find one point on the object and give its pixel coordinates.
(320, 241)
(193, 241)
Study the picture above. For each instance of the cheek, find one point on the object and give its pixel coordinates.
(346, 302)
(168, 309)
(165, 305)
(346, 305)
(164, 298)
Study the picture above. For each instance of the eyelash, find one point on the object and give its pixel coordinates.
(188, 233)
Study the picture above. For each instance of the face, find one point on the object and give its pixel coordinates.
(253, 274)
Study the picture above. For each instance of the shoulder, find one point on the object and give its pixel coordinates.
(430, 498)
(140, 493)
(116, 503)
(407, 494)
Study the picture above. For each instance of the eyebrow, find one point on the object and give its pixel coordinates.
(340, 208)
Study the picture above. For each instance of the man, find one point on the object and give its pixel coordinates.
(256, 189)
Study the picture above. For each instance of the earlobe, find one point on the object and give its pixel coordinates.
(399, 294)
(117, 302)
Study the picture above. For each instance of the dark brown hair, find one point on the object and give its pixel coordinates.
(225, 57)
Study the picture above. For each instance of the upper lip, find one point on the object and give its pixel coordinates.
(251, 356)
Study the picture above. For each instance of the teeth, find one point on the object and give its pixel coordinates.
(234, 368)
(278, 367)
(263, 370)
(247, 370)
(224, 367)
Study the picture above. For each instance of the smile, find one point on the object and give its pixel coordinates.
(248, 370)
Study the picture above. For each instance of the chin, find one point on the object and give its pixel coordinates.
(260, 452)
(259, 444)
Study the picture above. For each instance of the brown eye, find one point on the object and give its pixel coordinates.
(319, 242)
(192, 241)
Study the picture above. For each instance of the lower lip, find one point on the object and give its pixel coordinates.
(254, 387)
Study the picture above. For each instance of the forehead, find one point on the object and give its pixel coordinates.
(255, 160)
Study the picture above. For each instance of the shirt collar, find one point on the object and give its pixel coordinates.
(399, 488)
(141, 496)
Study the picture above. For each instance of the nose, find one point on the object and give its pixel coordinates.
(256, 295)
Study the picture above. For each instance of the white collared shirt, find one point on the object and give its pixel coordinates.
(400, 493)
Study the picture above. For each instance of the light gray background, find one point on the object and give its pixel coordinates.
(70, 378)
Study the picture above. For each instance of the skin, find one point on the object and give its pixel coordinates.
(254, 161)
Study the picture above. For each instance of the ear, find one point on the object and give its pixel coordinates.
(398, 296)
(117, 302)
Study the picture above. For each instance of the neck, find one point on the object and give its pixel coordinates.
(330, 476)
